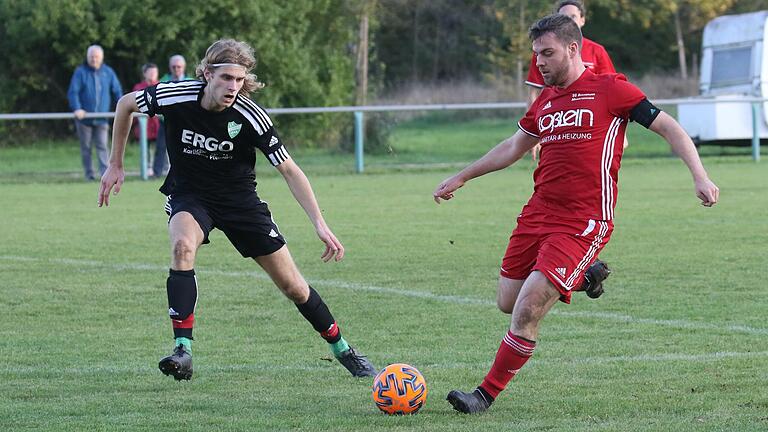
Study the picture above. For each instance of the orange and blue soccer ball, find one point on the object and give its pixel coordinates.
(399, 389)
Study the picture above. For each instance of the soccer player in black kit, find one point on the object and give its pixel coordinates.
(213, 131)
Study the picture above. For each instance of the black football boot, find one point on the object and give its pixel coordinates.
(357, 364)
(178, 364)
(468, 403)
(593, 279)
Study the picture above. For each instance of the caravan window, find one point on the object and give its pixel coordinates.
(731, 66)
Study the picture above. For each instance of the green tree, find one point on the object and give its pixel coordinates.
(430, 41)
(44, 40)
(510, 54)
(665, 27)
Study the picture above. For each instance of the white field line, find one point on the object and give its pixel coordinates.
(609, 316)
(213, 368)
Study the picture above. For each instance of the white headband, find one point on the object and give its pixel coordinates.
(227, 64)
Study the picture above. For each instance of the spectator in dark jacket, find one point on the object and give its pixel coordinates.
(94, 88)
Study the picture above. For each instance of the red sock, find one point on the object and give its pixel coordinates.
(183, 328)
(332, 334)
(511, 356)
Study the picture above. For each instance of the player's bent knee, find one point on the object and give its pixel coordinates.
(504, 305)
(297, 293)
(183, 250)
(296, 289)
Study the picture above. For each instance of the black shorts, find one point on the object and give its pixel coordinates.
(246, 222)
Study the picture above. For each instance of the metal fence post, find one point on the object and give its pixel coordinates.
(143, 153)
(755, 133)
(359, 134)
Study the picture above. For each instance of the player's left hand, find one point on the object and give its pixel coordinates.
(707, 192)
(333, 247)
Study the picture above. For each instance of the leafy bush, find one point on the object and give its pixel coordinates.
(302, 48)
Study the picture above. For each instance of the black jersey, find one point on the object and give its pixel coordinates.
(212, 154)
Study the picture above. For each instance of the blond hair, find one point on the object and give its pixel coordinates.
(230, 51)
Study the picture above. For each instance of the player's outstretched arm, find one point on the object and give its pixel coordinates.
(114, 176)
(302, 191)
(681, 144)
(503, 155)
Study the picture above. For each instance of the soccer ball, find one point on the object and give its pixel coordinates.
(399, 389)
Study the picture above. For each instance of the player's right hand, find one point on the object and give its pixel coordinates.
(446, 189)
(79, 114)
(707, 192)
(113, 177)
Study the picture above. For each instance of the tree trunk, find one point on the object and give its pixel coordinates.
(415, 47)
(521, 56)
(361, 67)
(437, 49)
(680, 45)
(695, 65)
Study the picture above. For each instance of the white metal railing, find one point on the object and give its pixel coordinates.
(359, 123)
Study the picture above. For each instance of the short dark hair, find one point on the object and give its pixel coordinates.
(146, 66)
(565, 29)
(576, 3)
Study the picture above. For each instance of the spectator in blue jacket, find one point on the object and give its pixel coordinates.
(94, 88)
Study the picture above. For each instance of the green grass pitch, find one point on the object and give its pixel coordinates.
(679, 342)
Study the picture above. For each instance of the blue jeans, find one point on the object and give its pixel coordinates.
(90, 136)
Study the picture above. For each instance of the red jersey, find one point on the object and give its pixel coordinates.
(581, 131)
(593, 55)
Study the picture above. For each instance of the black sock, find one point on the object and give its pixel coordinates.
(181, 287)
(316, 312)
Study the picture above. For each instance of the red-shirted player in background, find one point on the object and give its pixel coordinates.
(593, 55)
(580, 119)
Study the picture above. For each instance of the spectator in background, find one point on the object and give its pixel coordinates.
(93, 88)
(150, 73)
(177, 68)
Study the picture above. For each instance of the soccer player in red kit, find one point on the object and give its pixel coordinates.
(580, 119)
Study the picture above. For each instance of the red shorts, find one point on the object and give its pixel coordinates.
(561, 249)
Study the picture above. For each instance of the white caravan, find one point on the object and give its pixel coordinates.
(734, 65)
